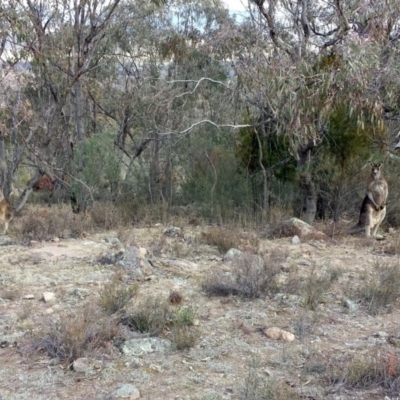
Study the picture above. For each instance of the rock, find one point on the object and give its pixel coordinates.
(28, 297)
(80, 292)
(295, 239)
(112, 240)
(6, 241)
(174, 231)
(231, 254)
(134, 261)
(81, 365)
(127, 391)
(49, 297)
(141, 346)
(273, 333)
(110, 259)
(288, 336)
(381, 334)
(303, 230)
(350, 305)
(278, 334)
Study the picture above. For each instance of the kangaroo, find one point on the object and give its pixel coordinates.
(373, 208)
(6, 212)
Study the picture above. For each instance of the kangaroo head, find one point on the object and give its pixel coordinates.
(376, 170)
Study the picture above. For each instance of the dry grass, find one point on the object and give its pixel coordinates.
(313, 287)
(225, 239)
(107, 216)
(184, 337)
(75, 335)
(10, 293)
(369, 371)
(257, 387)
(382, 289)
(251, 276)
(394, 247)
(39, 224)
(115, 296)
(150, 315)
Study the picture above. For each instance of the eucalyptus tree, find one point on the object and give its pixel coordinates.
(172, 77)
(63, 43)
(301, 60)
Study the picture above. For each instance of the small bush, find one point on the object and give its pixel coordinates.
(371, 371)
(251, 277)
(185, 316)
(12, 293)
(184, 337)
(382, 289)
(175, 297)
(75, 335)
(151, 316)
(225, 239)
(303, 325)
(114, 297)
(258, 388)
(315, 286)
(106, 216)
(56, 221)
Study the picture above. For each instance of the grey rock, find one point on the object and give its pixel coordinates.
(136, 347)
(231, 254)
(110, 259)
(350, 305)
(127, 391)
(49, 297)
(81, 365)
(133, 260)
(295, 240)
(112, 240)
(173, 231)
(6, 241)
(302, 229)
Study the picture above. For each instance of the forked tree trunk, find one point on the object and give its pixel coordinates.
(28, 190)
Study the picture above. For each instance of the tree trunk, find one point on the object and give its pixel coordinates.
(310, 197)
(28, 190)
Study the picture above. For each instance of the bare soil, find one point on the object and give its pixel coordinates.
(231, 350)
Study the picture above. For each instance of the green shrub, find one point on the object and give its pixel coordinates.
(114, 297)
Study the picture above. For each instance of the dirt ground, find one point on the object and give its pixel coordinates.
(232, 357)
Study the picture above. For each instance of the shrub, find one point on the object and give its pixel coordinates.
(225, 239)
(151, 316)
(56, 221)
(184, 337)
(75, 335)
(185, 316)
(370, 371)
(313, 287)
(382, 289)
(251, 277)
(114, 297)
(256, 387)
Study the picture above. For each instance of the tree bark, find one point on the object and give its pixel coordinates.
(310, 197)
(28, 190)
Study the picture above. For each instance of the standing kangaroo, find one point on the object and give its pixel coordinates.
(373, 208)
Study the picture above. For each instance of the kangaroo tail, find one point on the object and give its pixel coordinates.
(357, 228)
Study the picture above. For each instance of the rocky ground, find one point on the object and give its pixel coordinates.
(233, 357)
